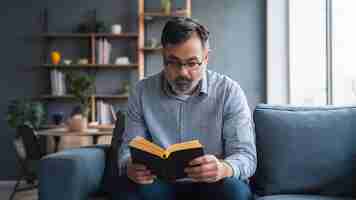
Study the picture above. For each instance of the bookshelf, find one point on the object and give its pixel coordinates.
(144, 17)
(98, 96)
(174, 13)
(91, 66)
(89, 35)
(141, 50)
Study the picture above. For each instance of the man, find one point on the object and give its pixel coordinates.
(184, 102)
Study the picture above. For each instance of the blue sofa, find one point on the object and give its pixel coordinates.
(304, 153)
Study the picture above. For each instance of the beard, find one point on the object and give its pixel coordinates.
(182, 85)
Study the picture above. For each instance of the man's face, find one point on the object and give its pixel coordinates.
(184, 65)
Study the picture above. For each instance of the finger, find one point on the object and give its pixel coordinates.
(145, 179)
(202, 160)
(209, 180)
(147, 182)
(201, 168)
(206, 180)
(139, 167)
(142, 173)
(205, 175)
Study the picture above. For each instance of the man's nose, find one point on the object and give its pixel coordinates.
(183, 71)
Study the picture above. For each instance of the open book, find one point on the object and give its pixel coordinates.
(167, 164)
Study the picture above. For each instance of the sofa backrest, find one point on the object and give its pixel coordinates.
(305, 150)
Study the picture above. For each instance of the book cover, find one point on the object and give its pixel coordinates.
(100, 50)
(106, 114)
(97, 51)
(167, 164)
(61, 83)
(98, 111)
(53, 82)
(107, 51)
(104, 51)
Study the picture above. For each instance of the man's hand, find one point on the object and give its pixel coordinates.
(208, 168)
(139, 173)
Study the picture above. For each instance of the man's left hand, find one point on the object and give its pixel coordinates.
(208, 169)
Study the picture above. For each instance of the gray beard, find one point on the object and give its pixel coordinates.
(188, 92)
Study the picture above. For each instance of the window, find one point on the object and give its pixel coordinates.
(322, 38)
(307, 52)
(344, 54)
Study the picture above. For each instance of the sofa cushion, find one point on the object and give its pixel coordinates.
(305, 150)
(71, 174)
(301, 197)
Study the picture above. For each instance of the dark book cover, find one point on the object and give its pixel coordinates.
(170, 168)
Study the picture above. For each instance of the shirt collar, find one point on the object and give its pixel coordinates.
(204, 83)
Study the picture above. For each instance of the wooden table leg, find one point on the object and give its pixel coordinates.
(57, 140)
(95, 139)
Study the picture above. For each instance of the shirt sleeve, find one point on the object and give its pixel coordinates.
(135, 126)
(238, 133)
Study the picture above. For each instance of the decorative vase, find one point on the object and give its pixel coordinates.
(78, 123)
(58, 118)
(55, 57)
(166, 6)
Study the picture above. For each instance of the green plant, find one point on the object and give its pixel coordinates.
(25, 111)
(125, 87)
(82, 87)
(166, 6)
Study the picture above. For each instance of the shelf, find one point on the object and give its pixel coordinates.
(95, 66)
(50, 97)
(101, 127)
(176, 13)
(122, 35)
(123, 97)
(88, 35)
(70, 97)
(151, 49)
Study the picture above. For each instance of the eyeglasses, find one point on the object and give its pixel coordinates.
(191, 65)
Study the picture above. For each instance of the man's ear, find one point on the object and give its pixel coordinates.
(206, 56)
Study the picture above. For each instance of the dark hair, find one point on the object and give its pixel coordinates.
(180, 29)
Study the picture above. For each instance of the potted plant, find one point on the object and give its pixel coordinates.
(166, 6)
(81, 86)
(25, 111)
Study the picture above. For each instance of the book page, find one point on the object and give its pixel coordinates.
(193, 144)
(144, 145)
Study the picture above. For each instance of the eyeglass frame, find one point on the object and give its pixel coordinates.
(179, 64)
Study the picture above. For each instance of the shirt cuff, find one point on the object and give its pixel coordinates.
(235, 169)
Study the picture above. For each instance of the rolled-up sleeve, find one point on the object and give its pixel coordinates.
(238, 133)
(135, 126)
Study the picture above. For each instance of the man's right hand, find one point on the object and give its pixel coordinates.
(139, 173)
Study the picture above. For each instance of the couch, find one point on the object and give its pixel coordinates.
(304, 153)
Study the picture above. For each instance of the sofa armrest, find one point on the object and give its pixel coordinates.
(71, 174)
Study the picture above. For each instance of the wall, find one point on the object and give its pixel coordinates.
(238, 43)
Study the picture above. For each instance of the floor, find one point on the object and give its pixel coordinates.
(7, 187)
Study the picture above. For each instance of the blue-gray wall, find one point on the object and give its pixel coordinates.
(238, 42)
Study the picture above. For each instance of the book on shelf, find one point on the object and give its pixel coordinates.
(104, 113)
(58, 86)
(169, 163)
(103, 51)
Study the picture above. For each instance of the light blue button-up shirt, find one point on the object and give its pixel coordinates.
(217, 115)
